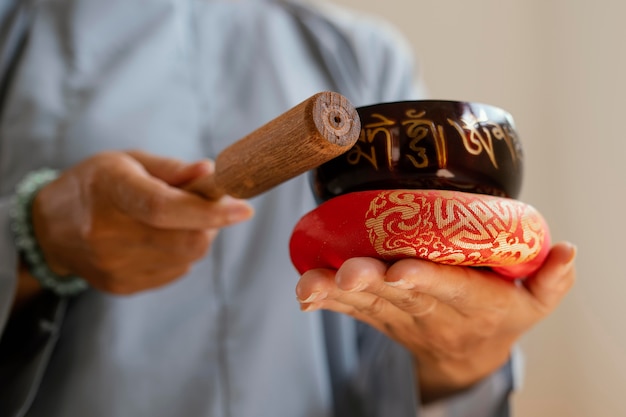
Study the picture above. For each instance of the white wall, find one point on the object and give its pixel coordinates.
(560, 68)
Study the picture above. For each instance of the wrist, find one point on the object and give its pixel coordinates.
(50, 277)
(443, 378)
(27, 287)
(45, 232)
(437, 382)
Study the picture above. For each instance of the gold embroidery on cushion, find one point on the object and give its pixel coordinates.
(401, 223)
(453, 228)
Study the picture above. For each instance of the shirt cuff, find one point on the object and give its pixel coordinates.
(488, 398)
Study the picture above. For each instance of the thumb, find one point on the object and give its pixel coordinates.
(554, 279)
(172, 171)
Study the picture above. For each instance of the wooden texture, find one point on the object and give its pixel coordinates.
(320, 128)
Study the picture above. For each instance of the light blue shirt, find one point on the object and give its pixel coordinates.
(185, 78)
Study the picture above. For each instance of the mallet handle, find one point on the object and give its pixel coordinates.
(320, 128)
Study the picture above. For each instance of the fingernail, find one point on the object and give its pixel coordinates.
(359, 287)
(560, 280)
(315, 296)
(309, 307)
(401, 283)
(203, 167)
(573, 249)
(239, 211)
(208, 166)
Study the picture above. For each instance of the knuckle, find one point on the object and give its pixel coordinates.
(488, 324)
(411, 300)
(376, 306)
(453, 342)
(425, 307)
(153, 209)
(100, 166)
(346, 309)
(565, 283)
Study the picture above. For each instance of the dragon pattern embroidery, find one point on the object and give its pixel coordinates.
(453, 228)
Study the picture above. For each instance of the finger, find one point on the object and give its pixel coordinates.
(424, 316)
(315, 285)
(554, 279)
(367, 275)
(317, 290)
(359, 288)
(173, 171)
(349, 310)
(462, 288)
(324, 281)
(182, 245)
(153, 202)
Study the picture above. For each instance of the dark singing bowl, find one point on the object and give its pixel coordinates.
(428, 144)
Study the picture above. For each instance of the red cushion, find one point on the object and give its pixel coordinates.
(449, 227)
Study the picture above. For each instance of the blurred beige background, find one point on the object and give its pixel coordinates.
(560, 68)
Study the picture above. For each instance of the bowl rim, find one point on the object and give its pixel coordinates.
(462, 103)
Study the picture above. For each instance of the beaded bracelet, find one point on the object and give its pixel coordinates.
(26, 242)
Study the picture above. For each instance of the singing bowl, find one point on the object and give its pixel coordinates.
(428, 144)
(430, 179)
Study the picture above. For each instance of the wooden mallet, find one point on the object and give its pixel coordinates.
(315, 131)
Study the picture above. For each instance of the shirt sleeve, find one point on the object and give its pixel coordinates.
(8, 266)
(28, 337)
(371, 375)
(12, 28)
(387, 385)
(489, 398)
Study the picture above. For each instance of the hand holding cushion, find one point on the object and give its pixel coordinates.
(459, 323)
